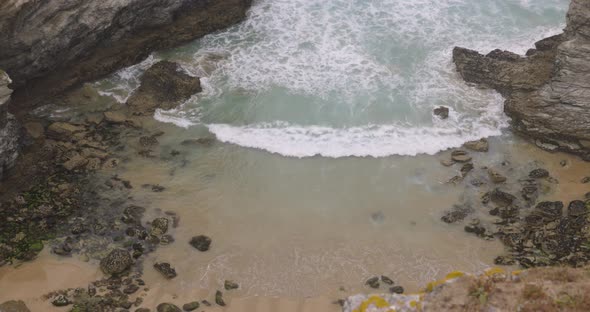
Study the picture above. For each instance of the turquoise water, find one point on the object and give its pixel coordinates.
(350, 78)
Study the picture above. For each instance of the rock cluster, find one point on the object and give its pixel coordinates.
(546, 90)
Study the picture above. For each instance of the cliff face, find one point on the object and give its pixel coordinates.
(9, 128)
(52, 45)
(548, 91)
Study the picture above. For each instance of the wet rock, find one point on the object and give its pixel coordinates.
(458, 213)
(35, 129)
(61, 301)
(496, 177)
(229, 285)
(206, 303)
(130, 289)
(539, 173)
(148, 141)
(466, 168)
(219, 298)
(373, 282)
(115, 117)
(447, 162)
(481, 145)
(132, 214)
(386, 280)
(166, 239)
(76, 161)
(116, 262)
(63, 131)
(550, 210)
(206, 141)
(14, 306)
(501, 198)
(165, 269)
(396, 290)
(159, 226)
(201, 242)
(460, 156)
(167, 307)
(577, 208)
(191, 306)
(504, 260)
(442, 112)
(164, 85)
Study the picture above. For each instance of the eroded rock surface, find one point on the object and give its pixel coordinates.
(9, 128)
(547, 91)
(54, 44)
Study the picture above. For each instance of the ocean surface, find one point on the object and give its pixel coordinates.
(349, 77)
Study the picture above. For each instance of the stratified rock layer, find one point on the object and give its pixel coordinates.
(548, 91)
(55, 44)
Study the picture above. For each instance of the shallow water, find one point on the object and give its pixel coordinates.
(337, 79)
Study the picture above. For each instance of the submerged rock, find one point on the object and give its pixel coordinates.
(230, 285)
(480, 145)
(116, 262)
(373, 282)
(191, 306)
(458, 213)
(167, 307)
(495, 176)
(201, 242)
(539, 173)
(219, 298)
(14, 306)
(460, 156)
(159, 226)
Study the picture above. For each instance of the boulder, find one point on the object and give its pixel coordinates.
(116, 262)
(164, 85)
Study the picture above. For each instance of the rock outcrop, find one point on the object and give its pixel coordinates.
(9, 128)
(164, 85)
(547, 91)
(52, 45)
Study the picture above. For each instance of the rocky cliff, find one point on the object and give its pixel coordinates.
(52, 45)
(9, 128)
(547, 91)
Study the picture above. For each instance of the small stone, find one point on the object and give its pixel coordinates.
(201, 242)
(206, 303)
(116, 262)
(386, 280)
(481, 145)
(130, 289)
(143, 310)
(165, 269)
(191, 306)
(219, 298)
(373, 282)
(168, 307)
(504, 260)
(539, 173)
(61, 301)
(159, 226)
(550, 210)
(396, 290)
(563, 163)
(460, 156)
(229, 285)
(495, 176)
(166, 239)
(442, 112)
(585, 180)
(501, 198)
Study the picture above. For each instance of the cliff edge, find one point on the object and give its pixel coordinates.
(547, 91)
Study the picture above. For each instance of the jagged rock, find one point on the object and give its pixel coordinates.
(442, 112)
(117, 261)
(83, 40)
(14, 306)
(481, 145)
(546, 92)
(63, 131)
(164, 85)
(165, 269)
